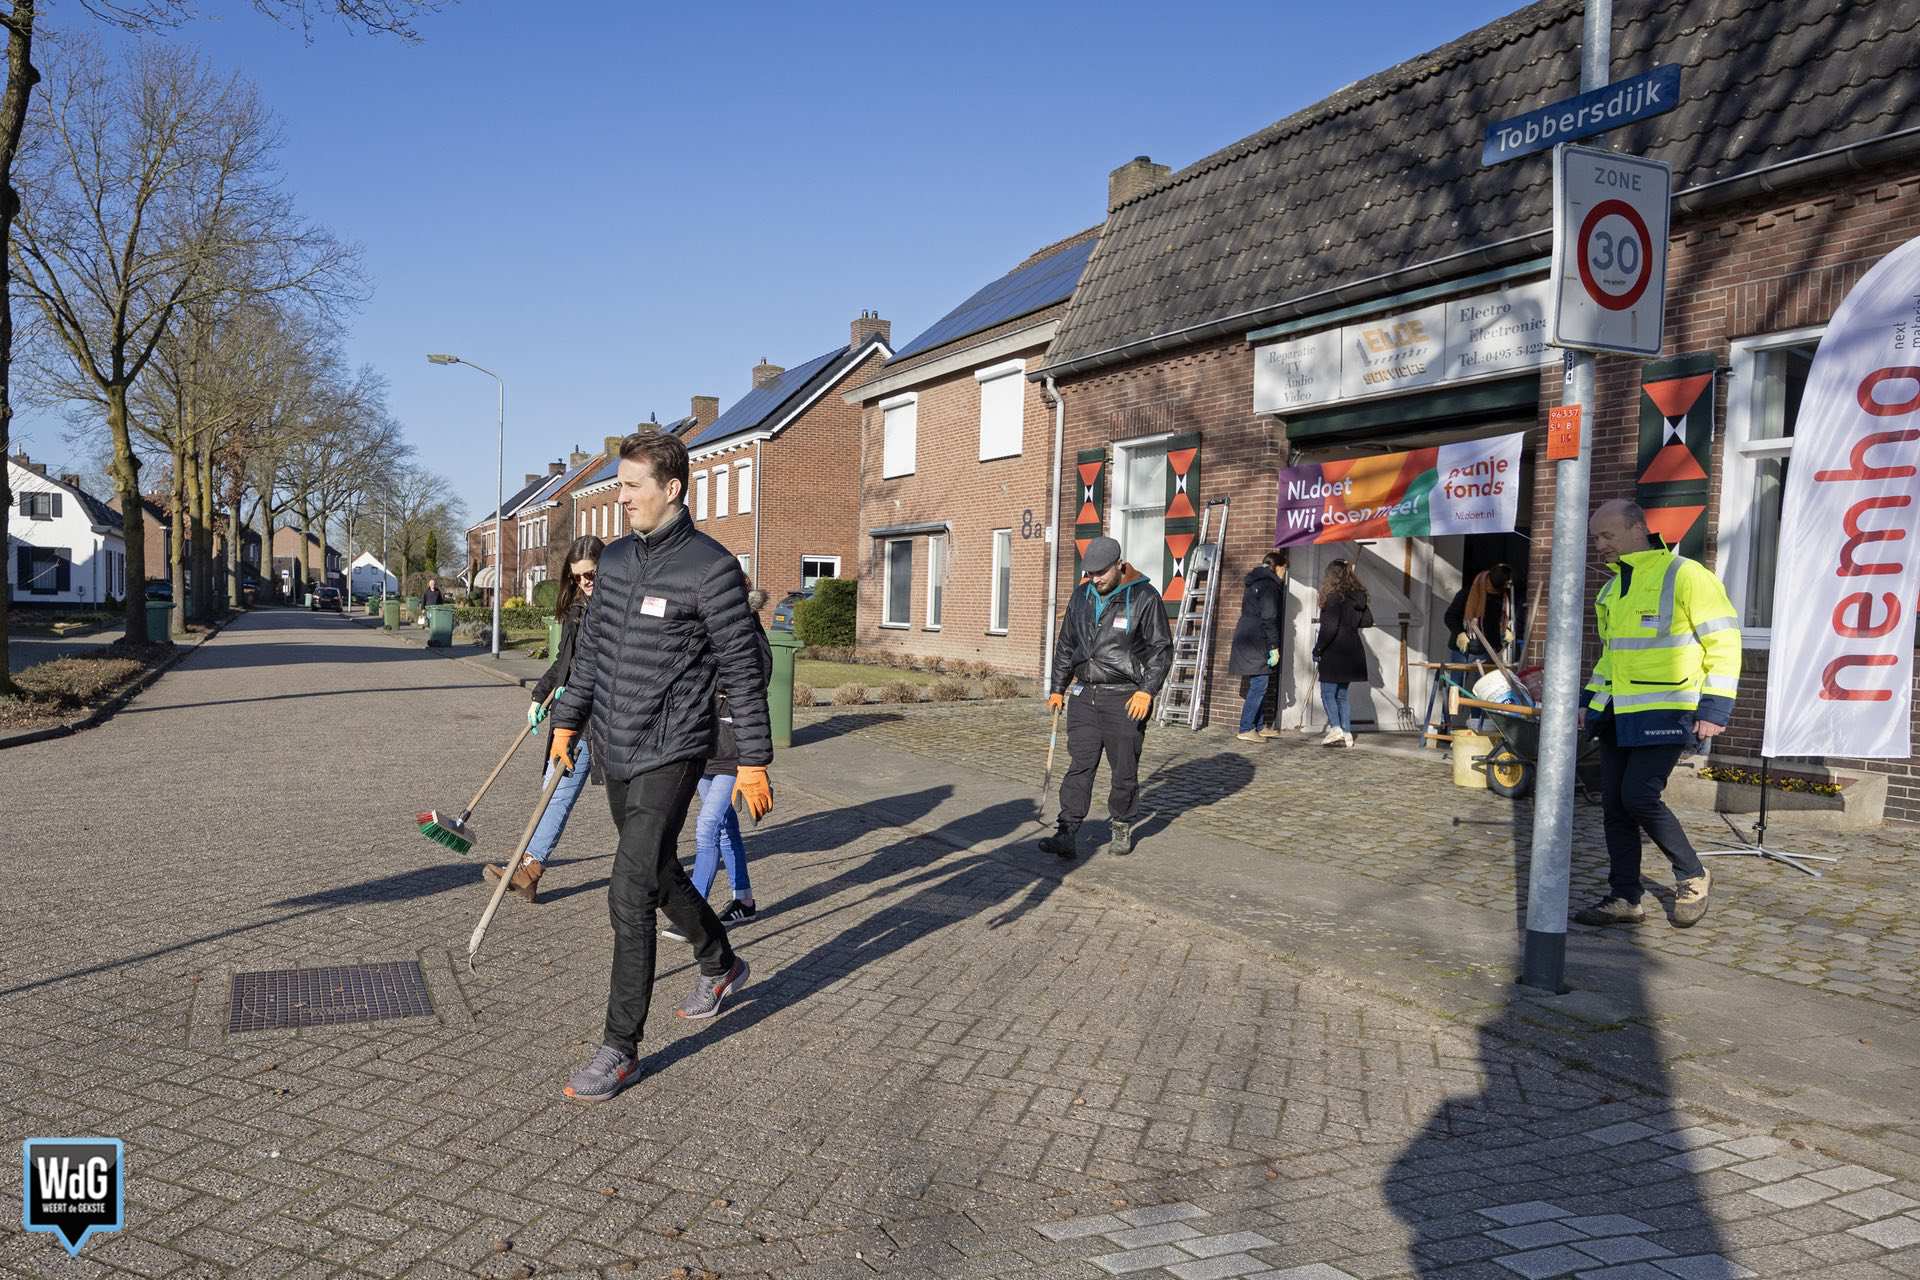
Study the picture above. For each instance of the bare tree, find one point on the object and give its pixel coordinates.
(419, 506)
(19, 17)
(150, 193)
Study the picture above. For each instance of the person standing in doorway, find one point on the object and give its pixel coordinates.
(576, 589)
(716, 831)
(1338, 651)
(669, 624)
(1484, 600)
(1111, 659)
(1668, 671)
(1256, 637)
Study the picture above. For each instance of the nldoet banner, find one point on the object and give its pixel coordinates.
(1470, 487)
(1840, 674)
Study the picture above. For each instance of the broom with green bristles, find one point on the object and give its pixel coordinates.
(454, 832)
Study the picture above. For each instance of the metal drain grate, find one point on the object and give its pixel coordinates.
(277, 999)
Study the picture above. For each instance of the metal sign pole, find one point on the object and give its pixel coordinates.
(1544, 959)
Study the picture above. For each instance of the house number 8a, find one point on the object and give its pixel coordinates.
(1027, 529)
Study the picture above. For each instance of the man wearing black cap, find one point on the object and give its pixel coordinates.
(1112, 657)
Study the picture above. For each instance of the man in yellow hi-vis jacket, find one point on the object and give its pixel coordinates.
(1669, 667)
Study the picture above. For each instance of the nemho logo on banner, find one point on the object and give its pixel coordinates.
(1840, 675)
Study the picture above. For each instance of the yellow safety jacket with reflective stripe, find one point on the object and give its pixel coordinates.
(1670, 649)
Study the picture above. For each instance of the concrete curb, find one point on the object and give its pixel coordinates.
(106, 710)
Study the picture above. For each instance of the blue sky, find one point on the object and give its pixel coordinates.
(621, 205)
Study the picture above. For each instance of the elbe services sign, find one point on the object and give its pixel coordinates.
(1609, 279)
(1650, 93)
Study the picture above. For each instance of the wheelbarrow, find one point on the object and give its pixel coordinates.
(1513, 761)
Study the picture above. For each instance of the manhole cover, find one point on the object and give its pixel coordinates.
(276, 999)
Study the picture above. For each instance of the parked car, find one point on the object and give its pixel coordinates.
(783, 612)
(326, 598)
(159, 589)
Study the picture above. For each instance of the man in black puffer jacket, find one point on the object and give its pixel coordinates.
(1113, 655)
(668, 623)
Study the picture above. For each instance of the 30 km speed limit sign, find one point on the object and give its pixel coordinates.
(1609, 250)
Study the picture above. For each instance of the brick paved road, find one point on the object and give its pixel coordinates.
(1855, 933)
(946, 1066)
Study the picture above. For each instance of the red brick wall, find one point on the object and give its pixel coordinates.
(809, 499)
(950, 483)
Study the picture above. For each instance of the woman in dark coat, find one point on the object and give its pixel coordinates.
(1256, 636)
(576, 588)
(1339, 652)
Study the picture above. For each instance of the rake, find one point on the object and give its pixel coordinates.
(454, 833)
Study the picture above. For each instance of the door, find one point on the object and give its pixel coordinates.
(1397, 573)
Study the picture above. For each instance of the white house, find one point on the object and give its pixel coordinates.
(366, 573)
(63, 545)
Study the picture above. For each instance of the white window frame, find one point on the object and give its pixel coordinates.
(996, 375)
(999, 611)
(746, 568)
(835, 560)
(1738, 464)
(887, 619)
(744, 471)
(699, 495)
(722, 492)
(936, 581)
(1120, 503)
(892, 465)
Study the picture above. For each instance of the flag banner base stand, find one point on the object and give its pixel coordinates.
(1741, 847)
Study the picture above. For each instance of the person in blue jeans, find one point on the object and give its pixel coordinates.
(716, 832)
(1256, 639)
(576, 589)
(1338, 650)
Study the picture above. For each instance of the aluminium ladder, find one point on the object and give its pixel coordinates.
(1185, 696)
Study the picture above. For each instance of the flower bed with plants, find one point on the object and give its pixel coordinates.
(67, 689)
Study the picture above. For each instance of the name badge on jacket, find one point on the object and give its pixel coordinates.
(1120, 623)
(654, 607)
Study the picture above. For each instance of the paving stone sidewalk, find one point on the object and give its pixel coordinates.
(946, 1066)
(1401, 822)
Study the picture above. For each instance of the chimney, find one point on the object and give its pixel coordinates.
(613, 447)
(706, 409)
(531, 477)
(1136, 177)
(69, 479)
(556, 468)
(869, 324)
(763, 373)
(577, 457)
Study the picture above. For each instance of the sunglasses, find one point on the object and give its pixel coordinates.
(583, 577)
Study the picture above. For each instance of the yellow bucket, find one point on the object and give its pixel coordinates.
(1468, 746)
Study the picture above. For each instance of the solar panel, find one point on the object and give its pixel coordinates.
(1019, 292)
(754, 408)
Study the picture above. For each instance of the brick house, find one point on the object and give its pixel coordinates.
(770, 476)
(596, 498)
(294, 555)
(487, 563)
(955, 453)
(159, 545)
(1796, 166)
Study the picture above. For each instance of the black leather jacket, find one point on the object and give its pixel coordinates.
(1121, 639)
(668, 623)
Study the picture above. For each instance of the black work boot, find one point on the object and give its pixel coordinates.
(1060, 844)
(1122, 842)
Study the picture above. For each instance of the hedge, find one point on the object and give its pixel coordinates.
(546, 595)
(828, 618)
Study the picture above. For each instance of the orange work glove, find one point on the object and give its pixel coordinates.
(1056, 701)
(751, 785)
(562, 748)
(1139, 704)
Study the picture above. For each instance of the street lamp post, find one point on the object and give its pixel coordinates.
(499, 483)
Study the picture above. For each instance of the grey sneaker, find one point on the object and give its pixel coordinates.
(606, 1073)
(1611, 910)
(1690, 899)
(1122, 842)
(707, 994)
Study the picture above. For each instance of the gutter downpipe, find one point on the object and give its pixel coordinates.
(1052, 394)
(757, 446)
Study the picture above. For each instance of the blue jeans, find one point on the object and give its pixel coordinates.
(717, 831)
(553, 820)
(1333, 696)
(1256, 695)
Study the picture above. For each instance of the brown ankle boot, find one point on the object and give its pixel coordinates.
(525, 881)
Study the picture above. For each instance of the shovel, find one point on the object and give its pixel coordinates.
(512, 867)
(1046, 783)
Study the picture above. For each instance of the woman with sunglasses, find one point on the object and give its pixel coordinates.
(576, 588)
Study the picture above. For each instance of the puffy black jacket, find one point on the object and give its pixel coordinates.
(726, 746)
(556, 677)
(1120, 639)
(1339, 652)
(1257, 633)
(667, 625)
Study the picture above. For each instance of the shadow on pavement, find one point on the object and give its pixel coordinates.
(318, 693)
(1185, 785)
(835, 726)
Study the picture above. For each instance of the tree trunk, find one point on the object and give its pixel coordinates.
(126, 477)
(21, 78)
(200, 473)
(236, 539)
(325, 515)
(303, 568)
(178, 496)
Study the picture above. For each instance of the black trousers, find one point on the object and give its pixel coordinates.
(1632, 779)
(1097, 722)
(649, 811)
